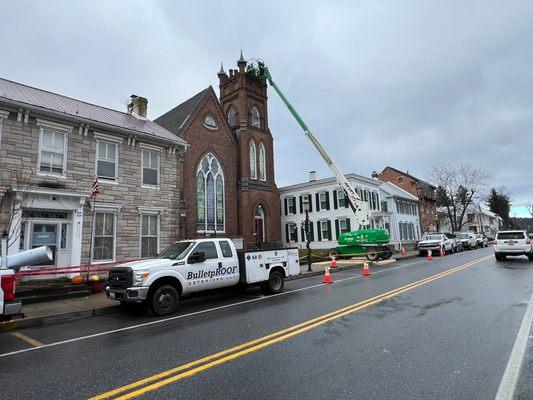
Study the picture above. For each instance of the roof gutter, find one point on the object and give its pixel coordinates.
(93, 123)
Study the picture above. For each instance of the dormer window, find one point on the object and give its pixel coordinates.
(255, 117)
(209, 122)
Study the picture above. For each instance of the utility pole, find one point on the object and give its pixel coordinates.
(305, 204)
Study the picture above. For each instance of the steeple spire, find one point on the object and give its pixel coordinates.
(241, 63)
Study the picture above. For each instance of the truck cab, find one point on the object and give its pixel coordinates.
(198, 265)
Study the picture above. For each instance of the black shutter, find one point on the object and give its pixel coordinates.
(327, 201)
(329, 229)
(310, 198)
(345, 199)
(302, 232)
(286, 207)
(319, 231)
(335, 199)
(296, 233)
(311, 235)
(287, 231)
(318, 201)
(301, 205)
(337, 228)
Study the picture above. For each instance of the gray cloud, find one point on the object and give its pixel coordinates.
(408, 84)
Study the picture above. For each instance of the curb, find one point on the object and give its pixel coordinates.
(94, 312)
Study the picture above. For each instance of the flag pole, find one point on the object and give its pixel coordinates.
(94, 192)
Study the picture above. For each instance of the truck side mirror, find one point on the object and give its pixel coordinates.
(196, 257)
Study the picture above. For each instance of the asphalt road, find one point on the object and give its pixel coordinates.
(417, 329)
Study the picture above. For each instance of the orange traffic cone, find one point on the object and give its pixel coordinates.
(404, 252)
(366, 271)
(430, 255)
(327, 276)
(442, 253)
(333, 263)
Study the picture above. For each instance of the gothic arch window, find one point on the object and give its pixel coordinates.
(255, 117)
(210, 194)
(262, 162)
(253, 161)
(210, 122)
(232, 116)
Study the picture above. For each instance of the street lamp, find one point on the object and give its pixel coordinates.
(305, 204)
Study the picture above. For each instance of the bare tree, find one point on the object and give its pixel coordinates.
(458, 187)
(530, 209)
(14, 188)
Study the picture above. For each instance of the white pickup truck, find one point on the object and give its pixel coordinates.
(9, 306)
(197, 265)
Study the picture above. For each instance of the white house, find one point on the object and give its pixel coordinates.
(330, 214)
(478, 219)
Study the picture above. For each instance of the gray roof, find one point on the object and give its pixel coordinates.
(396, 191)
(332, 179)
(94, 115)
(174, 120)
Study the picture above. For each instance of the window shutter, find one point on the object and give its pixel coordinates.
(337, 228)
(310, 202)
(301, 205)
(287, 232)
(346, 205)
(327, 201)
(311, 235)
(296, 233)
(329, 229)
(317, 201)
(294, 203)
(348, 224)
(319, 231)
(335, 199)
(286, 207)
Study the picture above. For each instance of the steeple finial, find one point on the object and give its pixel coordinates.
(221, 72)
(242, 58)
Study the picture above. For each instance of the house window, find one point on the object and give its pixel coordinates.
(325, 230)
(150, 167)
(262, 166)
(341, 198)
(106, 160)
(324, 201)
(52, 155)
(252, 159)
(255, 117)
(149, 235)
(209, 122)
(343, 225)
(292, 233)
(400, 179)
(232, 116)
(104, 237)
(210, 195)
(291, 205)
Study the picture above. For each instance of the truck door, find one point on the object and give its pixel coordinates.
(203, 275)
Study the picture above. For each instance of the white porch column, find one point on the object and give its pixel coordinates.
(77, 230)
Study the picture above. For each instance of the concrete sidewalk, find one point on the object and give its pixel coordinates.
(49, 312)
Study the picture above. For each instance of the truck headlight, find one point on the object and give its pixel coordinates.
(140, 276)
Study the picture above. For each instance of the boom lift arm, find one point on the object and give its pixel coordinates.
(360, 208)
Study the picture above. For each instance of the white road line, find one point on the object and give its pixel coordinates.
(512, 370)
(160, 321)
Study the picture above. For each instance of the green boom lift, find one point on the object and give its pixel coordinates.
(369, 242)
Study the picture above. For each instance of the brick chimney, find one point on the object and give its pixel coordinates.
(312, 176)
(375, 175)
(138, 105)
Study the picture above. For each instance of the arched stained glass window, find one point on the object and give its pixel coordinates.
(253, 160)
(262, 165)
(210, 195)
(232, 116)
(255, 117)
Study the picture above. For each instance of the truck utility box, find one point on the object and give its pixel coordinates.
(254, 265)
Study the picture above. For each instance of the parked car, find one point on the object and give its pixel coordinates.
(512, 243)
(434, 242)
(468, 239)
(456, 243)
(482, 241)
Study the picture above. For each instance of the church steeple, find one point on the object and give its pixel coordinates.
(241, 63)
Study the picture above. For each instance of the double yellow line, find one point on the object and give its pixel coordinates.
(157, 381)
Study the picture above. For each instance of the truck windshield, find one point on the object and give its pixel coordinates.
(176, 251)
(463, 236)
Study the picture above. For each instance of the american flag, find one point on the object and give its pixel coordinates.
(95, 190)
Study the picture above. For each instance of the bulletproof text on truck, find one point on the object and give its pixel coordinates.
(198, 265)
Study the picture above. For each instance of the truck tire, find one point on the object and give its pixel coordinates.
(386, 254)
(274, 284)
(163, 300)
(372, 255)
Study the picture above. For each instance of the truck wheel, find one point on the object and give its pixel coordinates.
(386, 254)
(274, 284)
(164, 300)
(372, 255)
(333, 253)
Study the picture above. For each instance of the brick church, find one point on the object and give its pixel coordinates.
(228, 170)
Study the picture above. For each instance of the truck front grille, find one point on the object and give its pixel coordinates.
(120, 278)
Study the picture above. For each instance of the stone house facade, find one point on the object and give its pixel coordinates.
(228, 169)
(425, 192)
(62, 144)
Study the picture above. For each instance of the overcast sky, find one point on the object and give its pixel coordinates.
(403, 83)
